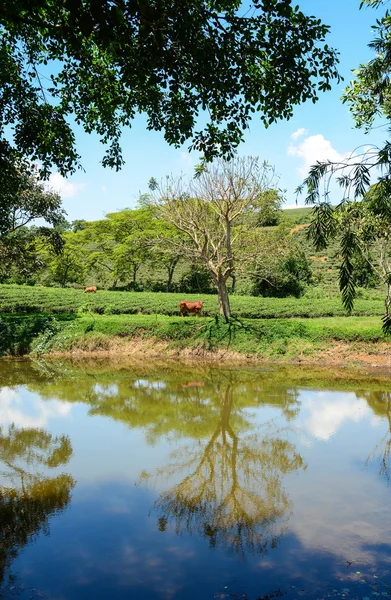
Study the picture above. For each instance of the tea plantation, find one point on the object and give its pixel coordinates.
(55, 301)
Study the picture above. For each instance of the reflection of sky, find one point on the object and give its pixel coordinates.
(103, 449)
(151, 385)
(339, 500)
(109, 546)
(26, 409)
(113, 549)
(106, 390)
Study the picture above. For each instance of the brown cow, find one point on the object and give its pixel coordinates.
(195, 307)
(193, 384)
(90, 289)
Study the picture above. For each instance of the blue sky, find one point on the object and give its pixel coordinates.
(320, 131)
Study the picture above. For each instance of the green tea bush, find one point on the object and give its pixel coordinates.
(35, 300)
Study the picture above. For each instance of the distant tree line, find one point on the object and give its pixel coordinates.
(142, 249)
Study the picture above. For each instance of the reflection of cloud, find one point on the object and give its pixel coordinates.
(153, 570)
(31, 413)
(106, 390)
(327, 415)
(340, 508)
(149, 569)
(343, 514)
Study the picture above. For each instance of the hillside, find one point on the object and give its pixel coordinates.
(297, 215)
(324, 263)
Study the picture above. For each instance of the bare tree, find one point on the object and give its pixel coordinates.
(208, 209)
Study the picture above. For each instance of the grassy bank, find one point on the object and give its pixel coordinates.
(38, 321)
(30, 300)
(264, 338)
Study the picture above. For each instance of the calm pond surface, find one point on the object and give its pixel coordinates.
(177, 482)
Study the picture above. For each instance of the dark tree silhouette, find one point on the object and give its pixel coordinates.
(28, 499)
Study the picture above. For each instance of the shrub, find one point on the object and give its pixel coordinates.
(197, 280)
(289, 278)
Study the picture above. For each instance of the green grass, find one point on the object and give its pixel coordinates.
(33, 300)
(40, 320)
(264, 337)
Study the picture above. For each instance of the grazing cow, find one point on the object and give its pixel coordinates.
(90, 289)
(186, 307)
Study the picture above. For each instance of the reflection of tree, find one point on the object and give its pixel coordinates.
(27, 500)
(380, 403)
(232, 482)
(233, 493)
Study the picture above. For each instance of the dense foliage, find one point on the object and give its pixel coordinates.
(141, 250)
(100, 63)
(24, 198)
(20, 260)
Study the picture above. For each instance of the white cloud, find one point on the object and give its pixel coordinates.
(186, 158)
(65, 188)
(299, 133)
(314, 148)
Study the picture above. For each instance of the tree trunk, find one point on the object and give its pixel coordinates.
(171, 270)
(224, 305)
(135, 269)
(388, 301)
(233, 277)
(64, 277)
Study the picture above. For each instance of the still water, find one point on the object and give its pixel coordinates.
(121, 481)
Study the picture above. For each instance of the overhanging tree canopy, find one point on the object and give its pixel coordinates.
(362, 218)
(100, 62)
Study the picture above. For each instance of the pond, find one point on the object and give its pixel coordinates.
(193, 482)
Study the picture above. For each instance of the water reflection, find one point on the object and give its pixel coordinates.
(29, 498)
(325, 415)
(219, 458)
(232, 469)
(34, 413)
(380, 403)
(233, 494)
